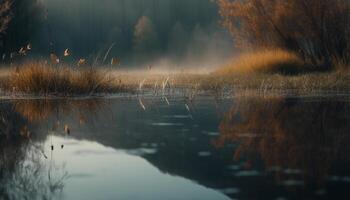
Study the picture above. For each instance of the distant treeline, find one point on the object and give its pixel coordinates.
(317, 30)
(142, 29)
(19, 23)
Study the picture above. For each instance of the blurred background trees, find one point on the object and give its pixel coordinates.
(145, 36)
(5, 17)
(319, 31)
(89, 27)
(20, 20)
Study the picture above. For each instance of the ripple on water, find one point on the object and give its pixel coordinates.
(204, 153)
(154, 145)
(230, 190)
(233, 167)
(339, 178)
(292, 183)
(292, 171)
(167, 124)
(247, 173)
(145, 144)
(210, 133)
(142, 151)
(281, 198)
(178, 116)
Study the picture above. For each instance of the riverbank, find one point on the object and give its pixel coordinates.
(313, 83)
(107, 81)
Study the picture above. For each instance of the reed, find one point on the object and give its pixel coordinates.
(40, 79)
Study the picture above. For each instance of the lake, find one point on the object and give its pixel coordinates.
(173, 148)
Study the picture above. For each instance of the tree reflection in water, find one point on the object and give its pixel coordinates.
(302, 137)
(26, 170)
(23, 174)
(36, 110)
(297, 139)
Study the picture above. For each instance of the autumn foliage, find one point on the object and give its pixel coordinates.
(5, 14)
(288, 132)
(268, 61)
(318, 31)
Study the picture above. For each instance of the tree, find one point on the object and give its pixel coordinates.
(5, 17)
(145, 37)
(317, 30)
(24, 18)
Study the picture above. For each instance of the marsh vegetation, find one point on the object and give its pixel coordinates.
(299, 46)
(38, 78)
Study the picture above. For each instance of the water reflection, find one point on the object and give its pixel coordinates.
(299, 140)
(261, 148)
(37, 110)
(48, 148)
(22, 173)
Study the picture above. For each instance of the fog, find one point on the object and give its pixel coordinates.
(163, 33)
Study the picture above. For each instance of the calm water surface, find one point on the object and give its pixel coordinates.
(130, 148)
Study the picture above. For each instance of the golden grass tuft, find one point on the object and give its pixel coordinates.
(265, 61)
(39, 78)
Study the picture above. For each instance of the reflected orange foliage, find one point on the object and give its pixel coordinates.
(35, 110)
(5, 14)
(289, 133)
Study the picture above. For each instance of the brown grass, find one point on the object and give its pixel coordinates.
(42, 79)
(317, 83)
(266, 61)
(39, 78)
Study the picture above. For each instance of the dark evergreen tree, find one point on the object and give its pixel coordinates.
(27, 16)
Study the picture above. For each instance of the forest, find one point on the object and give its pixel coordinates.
(142, 30)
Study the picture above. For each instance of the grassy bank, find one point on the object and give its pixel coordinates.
(267, 71)
(260, 75)
(311, 83)
(266, 61)
(40, 79)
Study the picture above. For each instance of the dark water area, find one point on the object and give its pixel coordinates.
(130, 148)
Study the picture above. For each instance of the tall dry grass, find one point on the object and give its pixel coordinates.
(39, 78)
(266, 61)
(44, 79)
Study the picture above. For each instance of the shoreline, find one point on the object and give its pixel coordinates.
(181, 93)
(333, 83)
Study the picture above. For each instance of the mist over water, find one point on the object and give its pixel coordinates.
(166, 33)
